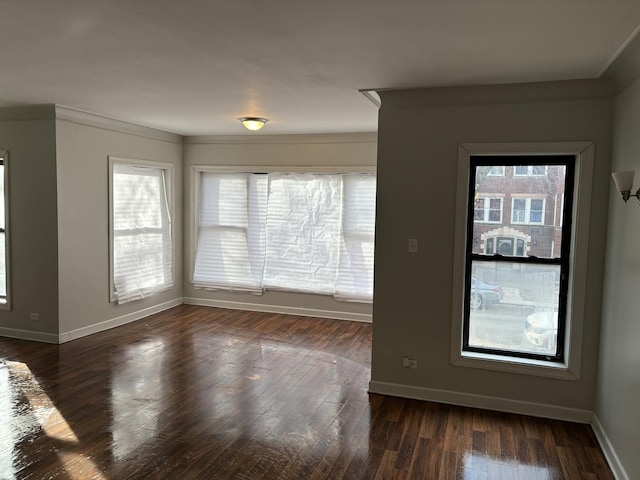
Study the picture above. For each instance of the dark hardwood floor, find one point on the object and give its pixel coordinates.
(204, 393)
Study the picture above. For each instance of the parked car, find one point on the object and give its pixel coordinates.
(541, 330)
(484, 294)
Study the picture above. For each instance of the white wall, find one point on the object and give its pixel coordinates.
(282, 150)
(84, 143)
(618, 393)
(28, 134)
(419, 134)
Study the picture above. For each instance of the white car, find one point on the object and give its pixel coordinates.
(541, 330)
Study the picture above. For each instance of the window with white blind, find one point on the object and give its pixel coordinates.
(299, 232)
(140, 228)
(4, 237)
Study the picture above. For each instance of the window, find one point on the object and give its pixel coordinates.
(296, 232)
(515, 299)
(527, 210)
(488, 210)
(529, 170)
(496, 171)
(505, 246)
(140, 215)
(4, 237)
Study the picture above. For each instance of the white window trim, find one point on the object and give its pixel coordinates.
(169, 167)
(527, 211)
(196, 170)
(571, 368)
(7, 237)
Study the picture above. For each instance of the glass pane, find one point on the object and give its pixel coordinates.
(495, 210)
(3, 271)
(478, 211)
(489, 246)
(514, 307)
(2, 220)
(525, 205)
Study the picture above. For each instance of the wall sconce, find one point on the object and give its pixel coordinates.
(624, 183)
(253, 123)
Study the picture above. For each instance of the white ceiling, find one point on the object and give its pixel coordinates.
(194, 66)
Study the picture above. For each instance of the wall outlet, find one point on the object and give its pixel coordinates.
(413, 245)
(34, 316)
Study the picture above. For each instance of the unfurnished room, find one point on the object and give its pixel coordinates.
(320, 240)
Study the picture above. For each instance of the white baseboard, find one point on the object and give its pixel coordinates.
(609, 452)
(116, 322)
(482, 401)
(28, 335)
(258, 307)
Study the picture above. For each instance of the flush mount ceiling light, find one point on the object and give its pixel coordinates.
(253, 123)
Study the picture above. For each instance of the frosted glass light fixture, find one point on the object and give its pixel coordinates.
(624, 184)
(253, 123)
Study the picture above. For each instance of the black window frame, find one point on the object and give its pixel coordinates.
(569, 162)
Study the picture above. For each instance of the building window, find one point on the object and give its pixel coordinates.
(515, 299)
(527, 210)
(297, 232)
(140, 215)
(496, 171)
(529, 170)
(4, 231)
(488, 210)
(515, 247)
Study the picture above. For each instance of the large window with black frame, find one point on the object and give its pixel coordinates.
(517, 255)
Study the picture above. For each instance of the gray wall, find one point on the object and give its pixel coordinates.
(281, 150)
(84, 143)
(419, 134)
(28, 134)
(618, 393)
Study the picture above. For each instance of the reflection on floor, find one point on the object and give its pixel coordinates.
(203, 393)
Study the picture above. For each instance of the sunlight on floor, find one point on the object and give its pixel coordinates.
(26, 409)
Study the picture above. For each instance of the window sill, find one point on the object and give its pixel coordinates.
(522, 366)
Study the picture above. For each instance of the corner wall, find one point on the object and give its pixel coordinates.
(84, 143)
(418, 138)
(618, 391)
(28, 134)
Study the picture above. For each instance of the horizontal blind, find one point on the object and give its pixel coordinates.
(230, 237)
(355, 269)
(141, 232)
(310, 233)
(3, 237)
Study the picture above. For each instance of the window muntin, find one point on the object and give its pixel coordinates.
(4, 237)
(313, 233)
(517, 276)
(141, 246)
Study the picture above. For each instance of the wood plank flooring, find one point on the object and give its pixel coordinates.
(205, 393)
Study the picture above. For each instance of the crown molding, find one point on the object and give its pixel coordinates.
(80, 117)
(320, 138)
